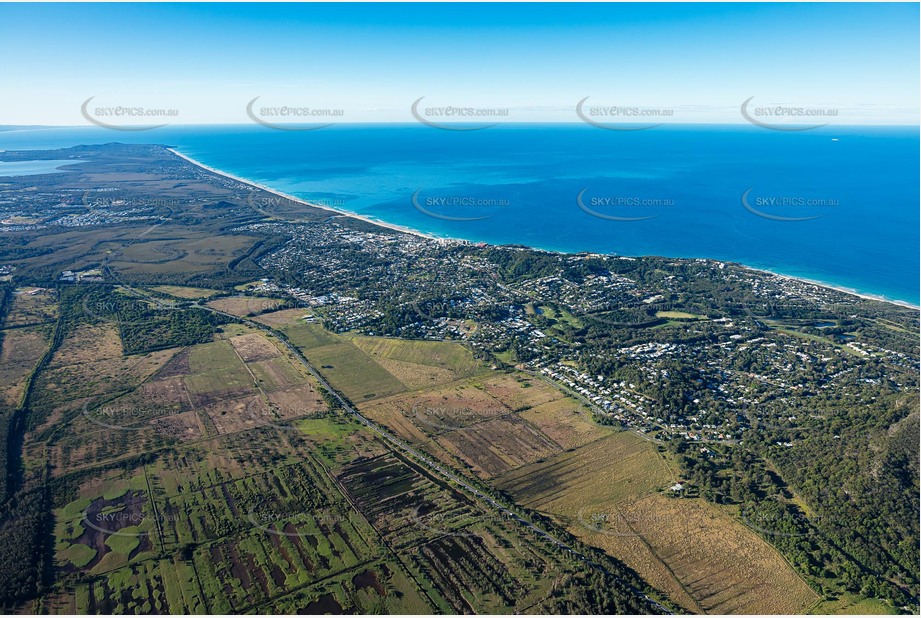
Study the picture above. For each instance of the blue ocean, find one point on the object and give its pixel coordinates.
(838, 205)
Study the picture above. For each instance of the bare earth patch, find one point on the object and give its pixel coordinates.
(254, 347)
(165, 392)
(285, 317)
(244, 305)
(520, 391)
(297, 401)
(499, 445)
(185, 426)
(234, 415)
(566, 422)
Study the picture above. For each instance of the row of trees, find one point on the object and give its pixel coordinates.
(858, 480)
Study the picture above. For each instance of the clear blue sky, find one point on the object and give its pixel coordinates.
(372, 61)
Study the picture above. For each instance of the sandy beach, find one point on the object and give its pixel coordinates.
(405, 230)
(836, 288)
(344, 213)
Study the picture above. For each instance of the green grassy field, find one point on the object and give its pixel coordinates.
(185, 292)
(310, 336)
(353, 372)
(680, 315)
(443, 354)
(853, 605)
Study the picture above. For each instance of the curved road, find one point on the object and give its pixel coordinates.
(434, 466)
(430, 464)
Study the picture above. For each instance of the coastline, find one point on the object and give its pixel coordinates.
(429, 236)
(344, 213)
(837, 288)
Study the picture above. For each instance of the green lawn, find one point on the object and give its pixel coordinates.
(679, 315)
(353, 372)
(310, 336)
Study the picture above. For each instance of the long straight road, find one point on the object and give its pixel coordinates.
(431, 465)
(400, 446)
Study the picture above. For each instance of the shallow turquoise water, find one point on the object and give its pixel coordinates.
(838, 205)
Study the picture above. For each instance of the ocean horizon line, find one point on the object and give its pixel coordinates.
(501, 123)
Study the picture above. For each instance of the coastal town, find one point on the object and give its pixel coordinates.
(744, 385)
(738, 370)
(604, 328)
(393, 309)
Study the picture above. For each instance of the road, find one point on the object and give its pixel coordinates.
(399, 445)
(430, 464)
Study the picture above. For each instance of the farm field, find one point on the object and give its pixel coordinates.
(244, 305)
(681, 315)
(369, 368)
(215, 478)
(467, 559)
(89, 344)
(606, 471)
(605, 486)
(289, 320)
(142, 402)
(353, 372)
(21, 349)
(566, 422)
(349, 369)
(237, 540)
(22, 345)
(481, 424)
(609, 493)
(464, 425)
(244, 533)
(189, 293)
(420, 364)
(31, 306)
(161, 253)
